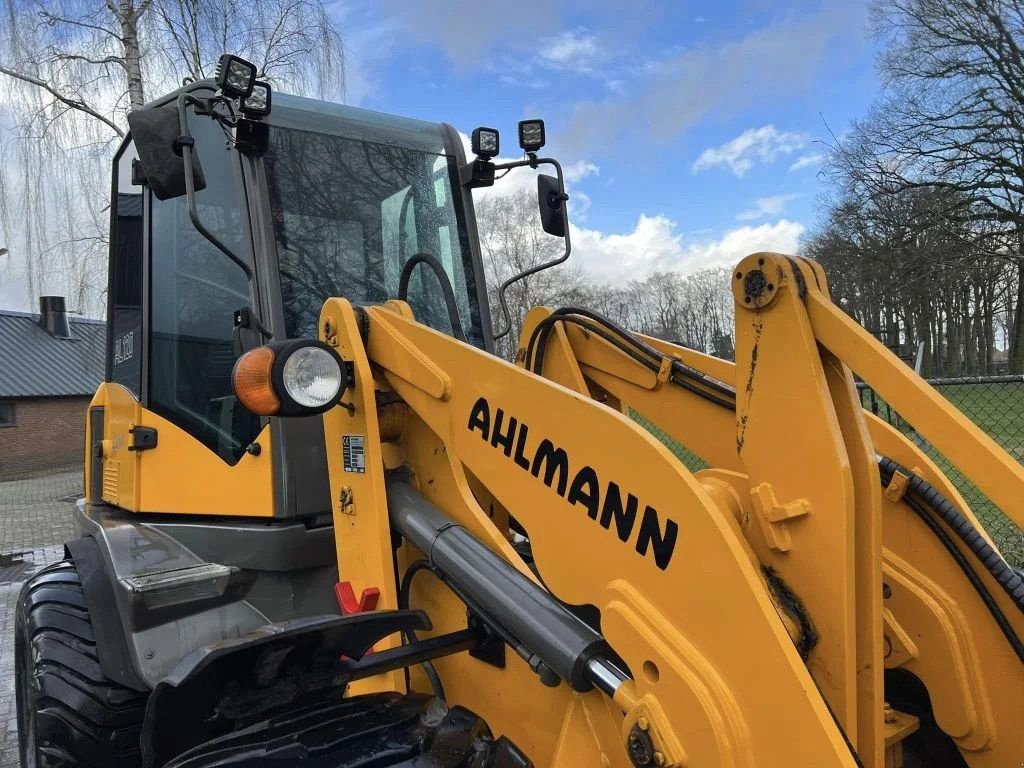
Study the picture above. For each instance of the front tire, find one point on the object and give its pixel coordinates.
(70, 715)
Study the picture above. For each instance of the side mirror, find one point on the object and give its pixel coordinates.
(156, 131)
(552, 205)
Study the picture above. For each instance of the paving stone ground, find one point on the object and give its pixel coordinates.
(35, 521)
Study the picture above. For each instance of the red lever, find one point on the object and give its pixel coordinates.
(347, 598)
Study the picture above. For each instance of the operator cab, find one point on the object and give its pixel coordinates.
(232, 223)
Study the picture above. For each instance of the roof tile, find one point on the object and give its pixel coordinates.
(35, 364)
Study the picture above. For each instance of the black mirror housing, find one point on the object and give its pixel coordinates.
(553, 216)
(156, 131)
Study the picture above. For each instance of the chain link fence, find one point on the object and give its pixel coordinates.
(693, 462)
(994, 403)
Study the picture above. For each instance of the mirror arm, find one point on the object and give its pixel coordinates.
(186, 142)
(186, 145)
(533, 161)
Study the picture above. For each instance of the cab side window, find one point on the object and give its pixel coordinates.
(196, 289)
(125, 353)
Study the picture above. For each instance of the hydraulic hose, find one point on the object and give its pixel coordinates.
(930, 497)
(961, 560)
(628, 344)
(446, 289)
(923, 499)
(410, 635)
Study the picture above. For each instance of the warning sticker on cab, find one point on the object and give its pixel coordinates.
(353, 452)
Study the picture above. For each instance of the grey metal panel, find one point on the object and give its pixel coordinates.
(132, 548)
(342, 120)
(35, 364)
(302, 485)
(256, 545)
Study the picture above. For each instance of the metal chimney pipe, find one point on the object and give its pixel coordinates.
(53, 317)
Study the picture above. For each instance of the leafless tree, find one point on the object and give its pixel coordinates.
(71, 70)
(695, 309)
(511, 241)
(950, 124)
(912, 275)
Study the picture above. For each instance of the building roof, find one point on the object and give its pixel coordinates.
(35, 364)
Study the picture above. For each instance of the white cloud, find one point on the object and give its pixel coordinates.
(574, 50)
(753, 146)
(807, 161)
(526, 80)
(766, 206)
(655, 245)
(579, 170)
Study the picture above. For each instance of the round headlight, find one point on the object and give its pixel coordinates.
(312, 376)
(296, 377)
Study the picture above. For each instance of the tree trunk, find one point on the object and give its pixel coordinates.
(129, 19)
(924, 336)
(1017, 330)
(968, 333)
(989, 327)
(953, 333)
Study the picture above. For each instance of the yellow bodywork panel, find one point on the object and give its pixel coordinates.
(800, 452)
(180, 475)
(614, 521)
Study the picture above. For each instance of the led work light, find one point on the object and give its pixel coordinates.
(235, 76)
(485, 142)
(531, 135)
(257, 103)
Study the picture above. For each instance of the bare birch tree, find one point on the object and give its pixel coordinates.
(71, 70)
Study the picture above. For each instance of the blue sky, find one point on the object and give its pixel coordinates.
(695, 127)
(692, 131)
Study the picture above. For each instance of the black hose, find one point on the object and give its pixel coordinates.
(618, 342)
(446, 289)
(544, 327)
(629, 344)
(930, 497)
(958, 556)
(921, 496)
(410, 635)
(678, 367)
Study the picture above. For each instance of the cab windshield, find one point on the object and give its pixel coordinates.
(349, 211)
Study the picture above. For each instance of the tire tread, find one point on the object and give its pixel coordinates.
(82, 718)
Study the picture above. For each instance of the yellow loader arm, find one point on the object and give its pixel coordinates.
(834, 500)
(614, 522)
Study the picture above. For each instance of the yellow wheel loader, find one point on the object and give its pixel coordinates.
(325, 526)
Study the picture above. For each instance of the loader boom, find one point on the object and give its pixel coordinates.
(614, 522)
(785, 427)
